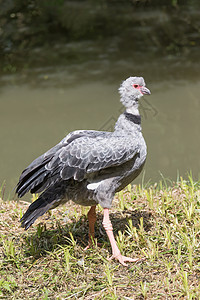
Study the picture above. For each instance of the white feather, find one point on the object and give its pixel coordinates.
(133, 110)
(93, 186)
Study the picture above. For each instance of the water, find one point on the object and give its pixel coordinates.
(74, 85)
(34, 119)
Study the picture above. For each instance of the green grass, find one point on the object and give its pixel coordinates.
(160, 223)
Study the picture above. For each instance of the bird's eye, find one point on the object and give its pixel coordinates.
(135, 86)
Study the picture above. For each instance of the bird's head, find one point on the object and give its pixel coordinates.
(131, 90)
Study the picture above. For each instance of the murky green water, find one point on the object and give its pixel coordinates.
(73, 85)
(34, 119)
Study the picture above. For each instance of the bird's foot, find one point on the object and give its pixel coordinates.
(122, 259)
(87, 247)
(91, 244)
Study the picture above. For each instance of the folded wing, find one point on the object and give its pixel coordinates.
(75, 157)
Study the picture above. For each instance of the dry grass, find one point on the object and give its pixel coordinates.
(48, 262)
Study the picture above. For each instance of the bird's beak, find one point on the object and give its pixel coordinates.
(145, 91)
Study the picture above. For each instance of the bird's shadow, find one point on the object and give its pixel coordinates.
(43, 240)
(120, 219)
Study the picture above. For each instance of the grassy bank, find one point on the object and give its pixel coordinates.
(159, 223)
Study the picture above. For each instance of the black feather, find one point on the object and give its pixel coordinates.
(35, 210)
(50, 198)
(35, 179)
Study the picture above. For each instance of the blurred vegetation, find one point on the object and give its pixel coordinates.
(26, 26)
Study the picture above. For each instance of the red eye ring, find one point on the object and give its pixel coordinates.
(136, 86)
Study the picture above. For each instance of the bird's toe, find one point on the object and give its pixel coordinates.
(123, 259)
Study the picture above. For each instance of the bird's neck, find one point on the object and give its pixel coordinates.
(129, 121)
(133, 110)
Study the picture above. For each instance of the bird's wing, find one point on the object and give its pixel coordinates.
(87, 155)
(34, 177)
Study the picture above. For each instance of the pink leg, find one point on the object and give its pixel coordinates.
(92, 219)
(115, 250)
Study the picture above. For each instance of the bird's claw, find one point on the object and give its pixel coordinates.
(122, 259)
(87, 247)
(91, 245)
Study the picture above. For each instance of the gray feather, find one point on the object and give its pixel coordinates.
(103, 161)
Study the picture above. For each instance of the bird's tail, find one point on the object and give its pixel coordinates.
(46, 201)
